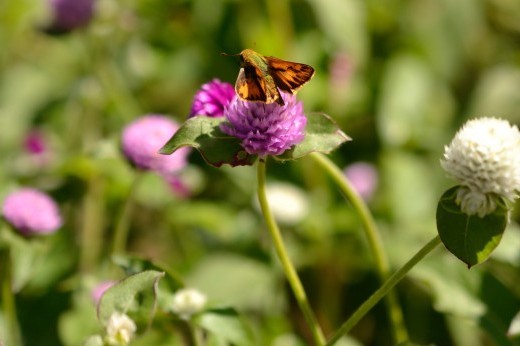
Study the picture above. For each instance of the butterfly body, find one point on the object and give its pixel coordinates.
(262, 77)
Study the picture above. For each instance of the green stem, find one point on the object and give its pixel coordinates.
(383, 290)
(12, 328)
(197, 338)
(288, 267)
(92, 224)
(374, 240)
(123, 219)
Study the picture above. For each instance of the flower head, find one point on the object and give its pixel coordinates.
(70, 14)
(484, 157)
(31, 212)
(120, 329)
(34, 143)
(212, 98)
(363, 177)
(266, 129)
(187, 302)
(142, 139)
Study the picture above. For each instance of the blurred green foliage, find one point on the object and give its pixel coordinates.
(399, 77)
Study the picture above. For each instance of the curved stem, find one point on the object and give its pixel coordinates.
(93, 218)
(123, 219)
(383, 290)
(374, 241)
(288, 267)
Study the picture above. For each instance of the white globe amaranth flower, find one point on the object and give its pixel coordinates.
(484, 157)
(187, 302)
(120, 329)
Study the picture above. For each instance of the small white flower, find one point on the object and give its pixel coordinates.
(484, 157)
(187, 302)
(120, 330)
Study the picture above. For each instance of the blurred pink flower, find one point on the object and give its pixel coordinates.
(31, 212)
(363, 177)
(212, 98)
(341, 69)
(34, 143)
(100, 289)
(142, 139)
(178, 186)
(68, 15)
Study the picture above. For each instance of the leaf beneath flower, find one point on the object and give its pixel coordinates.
(203, 133)
(322, 134)
(122, 296)
(471, 238)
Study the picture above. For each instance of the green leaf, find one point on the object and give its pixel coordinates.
(203, 133)
(121, 296)
(322, 134)
(133, 264)
(95, 340)
(470, 238)
(225, 324)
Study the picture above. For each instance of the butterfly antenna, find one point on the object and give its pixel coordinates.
(226, 54)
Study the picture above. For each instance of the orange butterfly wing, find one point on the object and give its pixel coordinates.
(289, 76)
(249, 86)
(252, 85)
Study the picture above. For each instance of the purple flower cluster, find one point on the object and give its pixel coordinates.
(70, 14)
(212, 98)
(142, 139)
(266, 129)
(31, 212)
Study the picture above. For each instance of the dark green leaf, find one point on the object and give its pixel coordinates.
(203, 133)
(121, 296)
(322, 134)
(470, 238)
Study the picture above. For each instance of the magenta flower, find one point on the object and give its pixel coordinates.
(363, 177)
(34, 143)
(142, 139)
(266, 129)
(31, 212)
(212, 98)
(68, 15)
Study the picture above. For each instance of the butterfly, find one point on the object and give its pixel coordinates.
(262, 77)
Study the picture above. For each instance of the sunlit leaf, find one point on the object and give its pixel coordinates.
(203, 133)
(121, 296)
(322, 134)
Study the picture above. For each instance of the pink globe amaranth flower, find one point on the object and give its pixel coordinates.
(212, 98)
(178, 186)
(31, 212)
(363, 177)
(100, 289)
(142, 139)
(34, 143)
(266, 129)
(68, 15)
